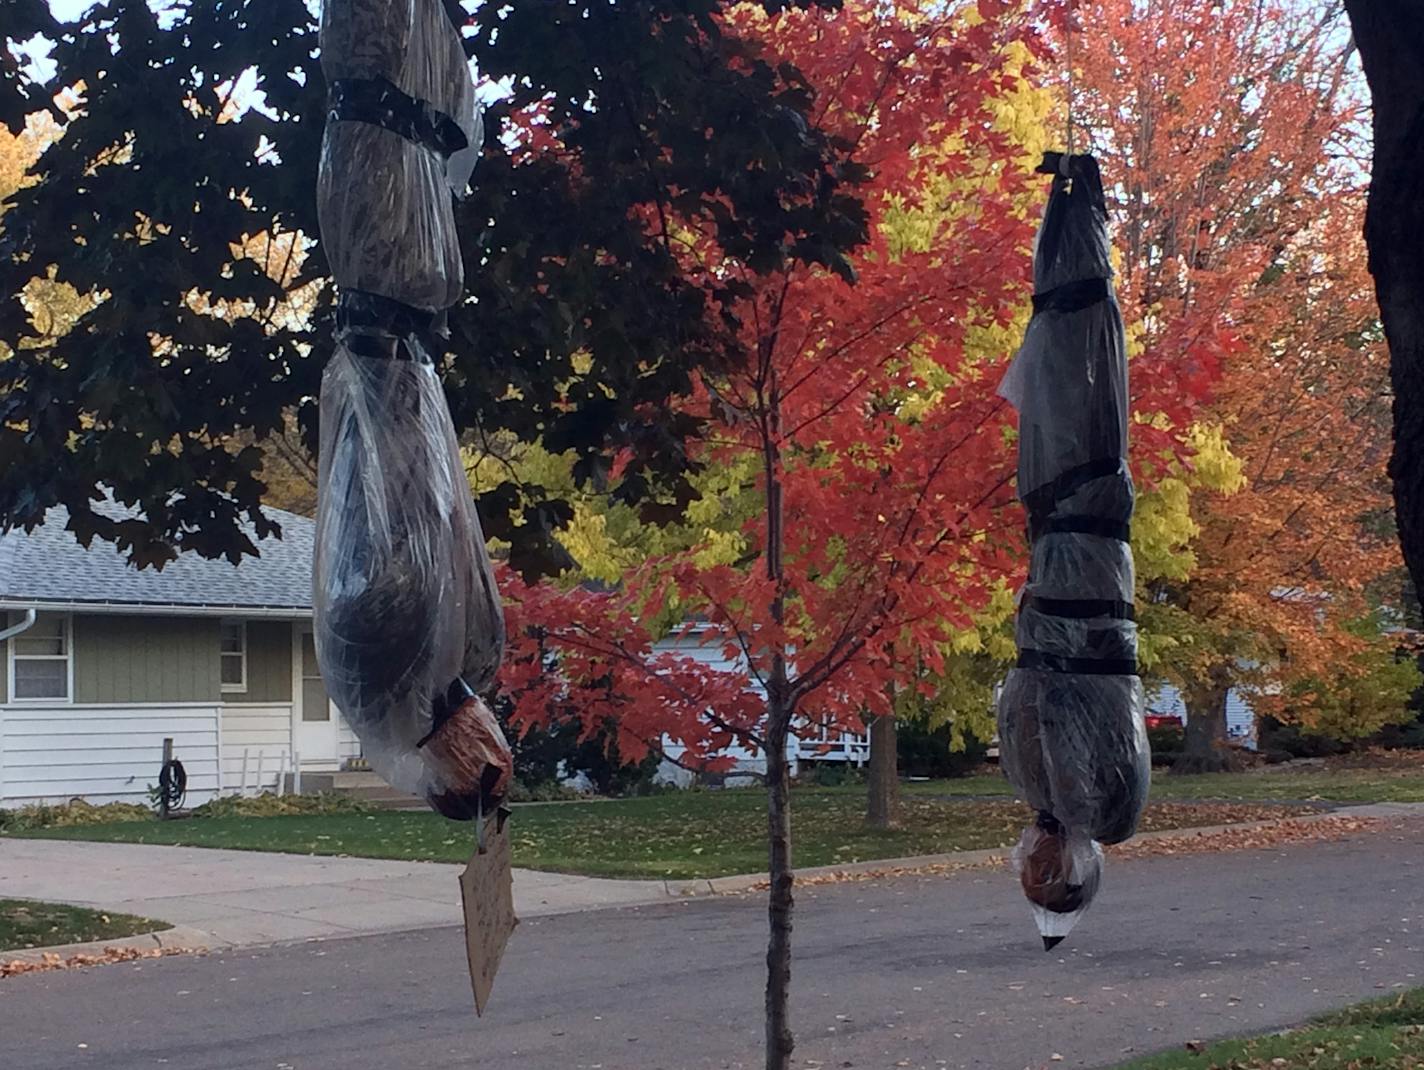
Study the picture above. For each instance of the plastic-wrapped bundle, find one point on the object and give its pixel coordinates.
(402, 132)
(1071, 727)
(408, 620)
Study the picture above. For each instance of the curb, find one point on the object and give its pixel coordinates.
(684, 889)
(178, 938)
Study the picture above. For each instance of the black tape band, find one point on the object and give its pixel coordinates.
(1081, 525)
(371, 325)
(380, 102)
(1046, 662)
(1072, 296)
(1042, 499)
(1081, 608)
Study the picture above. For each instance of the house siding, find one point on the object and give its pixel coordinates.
(145, 659)
(259, 738)
(1240, 718)
(269, 662)
(103, 754)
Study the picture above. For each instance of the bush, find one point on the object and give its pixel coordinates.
(925, 752)
(1408, 736)
(74, 812)
(1274, 735)
(270, 805)
(542, 756)
(548, 791)
(1166, 742)
(830, 774)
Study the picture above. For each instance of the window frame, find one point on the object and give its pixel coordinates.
(12, 655)
(239, 688)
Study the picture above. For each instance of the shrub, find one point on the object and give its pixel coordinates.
(928, 752)
(1167, 742)
(1274, 735)
(547, 791)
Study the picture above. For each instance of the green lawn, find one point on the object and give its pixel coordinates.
(680, 834)
(1343, 785)
(25, 924)
(1385, 1034)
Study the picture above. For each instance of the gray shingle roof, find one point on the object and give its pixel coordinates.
(49, 566)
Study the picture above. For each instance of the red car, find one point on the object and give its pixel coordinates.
(1163, 720)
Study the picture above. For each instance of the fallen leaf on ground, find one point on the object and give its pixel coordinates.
(1188, 841)
(16, 967)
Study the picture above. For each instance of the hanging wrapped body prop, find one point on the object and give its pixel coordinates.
(409, 627)
(1071, 730)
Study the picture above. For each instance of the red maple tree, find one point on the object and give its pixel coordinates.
(884, 459)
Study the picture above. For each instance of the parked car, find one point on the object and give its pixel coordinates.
(1164, 720)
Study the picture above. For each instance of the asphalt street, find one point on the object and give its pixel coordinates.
(912, 972)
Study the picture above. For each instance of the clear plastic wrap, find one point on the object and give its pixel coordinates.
(1072, 737)
(402, 133)
(406, 601)
(409, 626)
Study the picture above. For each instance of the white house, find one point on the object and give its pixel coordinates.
(101, 661)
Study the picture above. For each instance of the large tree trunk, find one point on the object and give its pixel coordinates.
(779, 1041)
(1205, 749)
(882, 802)
(1390, 37)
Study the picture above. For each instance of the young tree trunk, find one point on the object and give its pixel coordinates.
(1390, 37)
(882, 803)
(780, 707)
(779, 1041)
(1205, 746)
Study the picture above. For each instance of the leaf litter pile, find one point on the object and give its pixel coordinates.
(1282, 833)
(108, 956)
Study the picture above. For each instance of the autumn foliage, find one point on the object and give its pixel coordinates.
(1231, 132)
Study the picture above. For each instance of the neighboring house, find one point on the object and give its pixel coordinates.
(1240, 718)
(105, 661)
(809, 746)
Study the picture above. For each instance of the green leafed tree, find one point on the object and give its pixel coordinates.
(190, 135)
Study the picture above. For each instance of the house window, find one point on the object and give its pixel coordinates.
(40, 660)
(234, 655)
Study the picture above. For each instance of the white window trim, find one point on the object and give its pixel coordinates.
(239, 688)
(67, 620)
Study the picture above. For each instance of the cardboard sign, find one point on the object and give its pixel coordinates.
(487, 890)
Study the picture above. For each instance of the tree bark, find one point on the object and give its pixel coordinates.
(882, 802)
(779, 1041)
(780, 707)
(1390, 38)
(1205, 748)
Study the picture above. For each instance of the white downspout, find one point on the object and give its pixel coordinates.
(25, 625)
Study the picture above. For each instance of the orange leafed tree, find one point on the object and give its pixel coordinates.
(1233, 133)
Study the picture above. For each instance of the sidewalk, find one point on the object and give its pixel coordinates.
(247, 898)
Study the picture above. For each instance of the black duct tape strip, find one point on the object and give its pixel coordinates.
(1045, 662)
(1081, 608)
(1072, 296)
(1081, 525)
(1042, 499)
(362, 310)
(381, 102)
